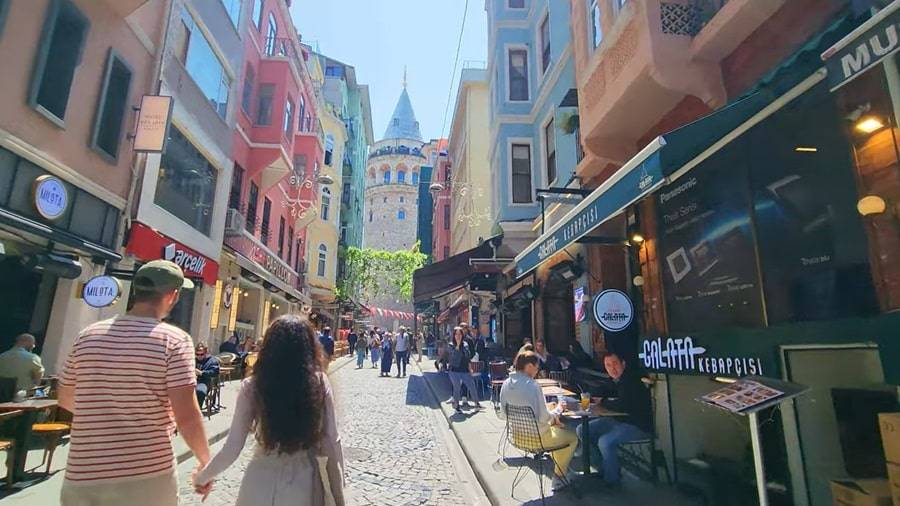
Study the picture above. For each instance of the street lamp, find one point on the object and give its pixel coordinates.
(325, 179)
(436, 188)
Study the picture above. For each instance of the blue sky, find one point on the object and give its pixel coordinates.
(379, 37)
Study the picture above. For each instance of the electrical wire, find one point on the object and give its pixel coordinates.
(462, 29)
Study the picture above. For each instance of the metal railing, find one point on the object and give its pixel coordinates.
(281, 46)
(705, 10)
(396, 150)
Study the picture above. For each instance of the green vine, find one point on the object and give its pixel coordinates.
(370, 273)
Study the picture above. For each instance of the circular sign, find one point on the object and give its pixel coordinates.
(50, 197)
(101, 291)
(613, 310)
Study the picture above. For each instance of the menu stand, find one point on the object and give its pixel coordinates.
(787, 391)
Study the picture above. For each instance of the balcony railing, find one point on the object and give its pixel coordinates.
(396, 150)
(281, 46)
(688, 19)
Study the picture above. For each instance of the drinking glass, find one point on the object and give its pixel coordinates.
(585, 400)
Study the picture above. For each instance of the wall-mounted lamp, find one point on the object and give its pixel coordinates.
(325, 179)
(871, 204)
(638, 280)
(436, 188)
(869, 124)
(724, 379)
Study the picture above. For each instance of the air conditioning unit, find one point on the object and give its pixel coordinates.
(234, 222)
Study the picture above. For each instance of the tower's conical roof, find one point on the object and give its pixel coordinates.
(403, 124)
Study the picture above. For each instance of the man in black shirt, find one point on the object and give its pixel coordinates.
(607, 433)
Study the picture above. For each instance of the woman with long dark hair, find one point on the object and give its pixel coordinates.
(460, 356)
(289, 406)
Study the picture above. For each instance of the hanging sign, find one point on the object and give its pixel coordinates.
(613, 310)
(101, 291)
(682, 355)
(50, 197)
(227, 296)
(153, 124)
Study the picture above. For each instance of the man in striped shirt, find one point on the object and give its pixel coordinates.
(129, 382)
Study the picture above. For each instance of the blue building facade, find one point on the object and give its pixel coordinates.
(531, 71)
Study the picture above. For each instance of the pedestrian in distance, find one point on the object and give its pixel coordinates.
(351, 342)
(402, 350)
(387, 354)
(420, 346)
(288, 405)
(327, 343)
(375, 348)
(361, 346)
(460, 356)
(121, 443)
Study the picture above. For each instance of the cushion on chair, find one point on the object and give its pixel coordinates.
(50, 427)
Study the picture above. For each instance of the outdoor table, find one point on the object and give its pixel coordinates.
(30, 409)
(554, 391)
(595, 411)
(543, 382)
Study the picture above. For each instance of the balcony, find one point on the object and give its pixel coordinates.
(396, 150)
(653, 56)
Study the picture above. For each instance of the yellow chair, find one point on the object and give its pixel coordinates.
(53, 432)
(9, 446)
(249, 362)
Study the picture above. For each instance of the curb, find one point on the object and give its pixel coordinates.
(482, 481)
(215, 438)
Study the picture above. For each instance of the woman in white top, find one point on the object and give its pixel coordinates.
(289, 406)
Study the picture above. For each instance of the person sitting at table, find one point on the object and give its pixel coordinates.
(520, 389)
(207, 370)
(546, 361)
(607, 433)
(21, 364)
(231, 345)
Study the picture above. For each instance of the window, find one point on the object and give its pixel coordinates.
(579, 149)
(237, 183)
(620, 4)
(302, 111)
(329, 149)
(271, 35)
(401, 214)
(264, 107)
(297, 257)
(112, 105)
(258, 14)
(345, 194)
(344, 234)
(288, 117)
(545, 43)
(187, 183)
(290, 244)
(386, 177)
(385, 200)
(415, 178)
(550, 144)
(446, 251)
(518, 75)
(401, 199)
(323, 255)
(370, 216)
(521, 174)
(252, 205)
(234, 10)
(4, 10)
(334, 71)
(446, 216)
(326, 203)
(401, 177)
(204, 66)
(264, 226)
(281, 225)
(59, 54)
(299, 168)
(596, 24)
(516, 4)
(247, 92)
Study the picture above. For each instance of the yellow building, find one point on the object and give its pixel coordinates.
(471, 196)
(323, 232)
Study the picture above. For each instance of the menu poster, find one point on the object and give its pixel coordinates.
(706, 244)
(742, 395)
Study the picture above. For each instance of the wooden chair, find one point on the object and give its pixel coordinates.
(52, 432)
(226, 358)
(498, 374)
(9, 446)
(523, 433)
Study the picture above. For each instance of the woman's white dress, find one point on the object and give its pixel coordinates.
(278, 479)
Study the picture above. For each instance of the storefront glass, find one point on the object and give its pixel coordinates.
(183, 311)
(187, 183)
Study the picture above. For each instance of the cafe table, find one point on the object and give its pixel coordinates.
(30, 409)
(595, 411)
(555, 391)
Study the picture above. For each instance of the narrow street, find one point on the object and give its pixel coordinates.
(395, 443)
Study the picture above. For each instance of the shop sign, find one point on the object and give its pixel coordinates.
(871, 43)
(227, 297)
(50, 197)
(676, 355)
(153, 124)
(613, 310)
(101, 291)
(260, 256)
(147, 244)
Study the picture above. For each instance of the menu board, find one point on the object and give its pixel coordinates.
(742, 395)
(707, 248)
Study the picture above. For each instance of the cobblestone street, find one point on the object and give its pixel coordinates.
(394, 451)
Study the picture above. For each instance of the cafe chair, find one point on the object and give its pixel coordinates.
(52, 433)
(498, 374)
(562, 377)
(9, 446)
(211, 404)
(641, 457)
(522, 432)
(226, 358)
(249, 362)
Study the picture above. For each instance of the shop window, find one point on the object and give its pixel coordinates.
(264, 226)
(288, 117)
(113, 103)
(281, 225)
(204, 66)
(264, 104)
(596, 24)
(252, 205)
(58, 55)
(182, 313)
(518, 75)
(258, 14)
(237, 183)
(247, 92)
(521, 174)
(550, 145)
(187, 183)
(323, 259)
(233, 7)
(545, 43)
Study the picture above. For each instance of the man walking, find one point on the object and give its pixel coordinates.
(351, 341)
(402, 347)
(21, 363)
(327, 343)
(129, 382)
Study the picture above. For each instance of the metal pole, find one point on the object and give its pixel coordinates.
(542, 213)
(758, 460)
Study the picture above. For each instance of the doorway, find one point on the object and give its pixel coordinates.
(26, 299)
(559, 315)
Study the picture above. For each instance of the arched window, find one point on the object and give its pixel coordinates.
(401, 199)
(370, 216)
(323, 258)
(401, 177)
(415, 178)
(386, 177)
(401, 214)
(326, 203)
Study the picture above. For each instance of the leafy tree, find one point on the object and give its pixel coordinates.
(370, 273)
